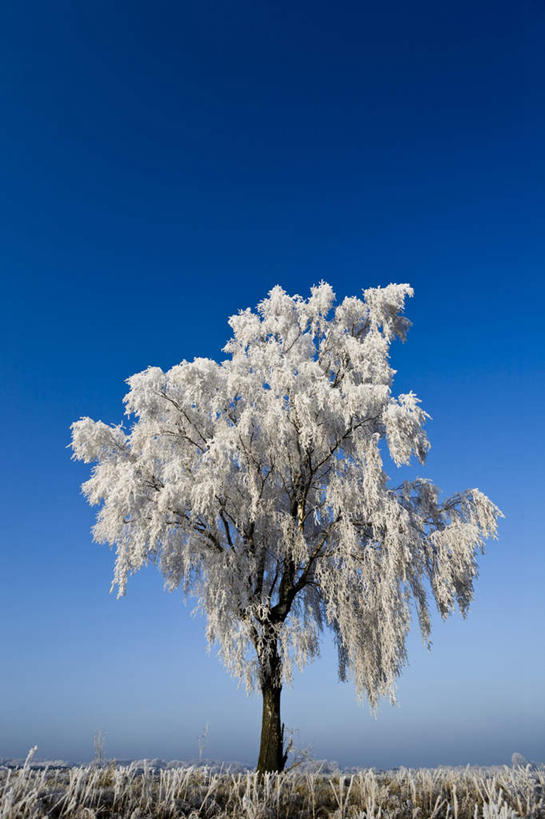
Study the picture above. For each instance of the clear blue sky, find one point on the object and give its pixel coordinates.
(165, 164)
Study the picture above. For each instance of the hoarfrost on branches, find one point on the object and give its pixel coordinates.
(257, 486)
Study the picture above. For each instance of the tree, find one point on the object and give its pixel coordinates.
(257, 485)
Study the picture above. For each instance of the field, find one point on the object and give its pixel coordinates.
(136, 792)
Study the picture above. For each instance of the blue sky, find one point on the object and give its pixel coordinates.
(166, 164)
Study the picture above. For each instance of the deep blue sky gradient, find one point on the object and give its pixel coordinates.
(163, 165)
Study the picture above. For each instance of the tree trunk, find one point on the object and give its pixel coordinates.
(271, 751)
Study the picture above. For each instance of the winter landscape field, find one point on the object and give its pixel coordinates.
(272, 357)
(156, 789)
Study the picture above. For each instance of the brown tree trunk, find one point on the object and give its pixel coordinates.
(271, 751)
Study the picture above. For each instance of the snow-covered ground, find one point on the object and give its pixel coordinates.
(156, 789)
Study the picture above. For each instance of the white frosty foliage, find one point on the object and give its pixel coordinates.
(257, 485)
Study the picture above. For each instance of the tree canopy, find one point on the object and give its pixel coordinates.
(257, 485)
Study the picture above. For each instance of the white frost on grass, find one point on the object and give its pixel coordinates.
(136, 790)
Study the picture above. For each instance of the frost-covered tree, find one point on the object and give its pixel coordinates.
(257, 486)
